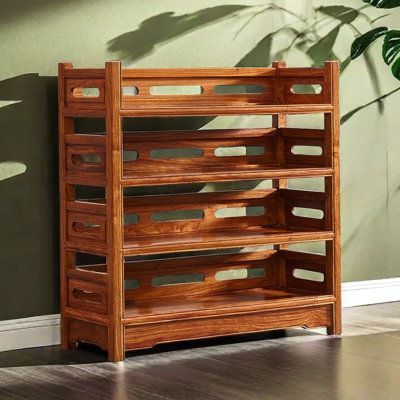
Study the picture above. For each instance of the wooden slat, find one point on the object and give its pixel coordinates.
(226, 176)
(86, 139)
(229, 238)
(85, 73)
(130, 73)
(84, 112)
(302, 133)
(222, 110)
(224, 305)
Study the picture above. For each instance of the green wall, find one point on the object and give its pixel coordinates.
(36, 35)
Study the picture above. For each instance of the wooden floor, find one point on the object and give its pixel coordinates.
(291, 365)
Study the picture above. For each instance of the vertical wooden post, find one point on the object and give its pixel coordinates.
(65, 125)
(332, 188)
(280, 121)
(115, 273)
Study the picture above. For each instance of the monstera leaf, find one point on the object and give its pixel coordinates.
(362, 43)
(383, 3)
(391, 51)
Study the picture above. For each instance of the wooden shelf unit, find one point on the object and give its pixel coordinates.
(114, 294)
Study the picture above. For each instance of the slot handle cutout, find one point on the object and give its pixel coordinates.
(306, 212)
(306, 89)
(86, 295)
(85, 226)
(86, 92)
(179, 279)
(79, 159)
(238, 151)
(243, 273)
(176, 90)
(307, 275)
(306, 150)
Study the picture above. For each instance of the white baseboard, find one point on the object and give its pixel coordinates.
(44, 330)
(370, 292)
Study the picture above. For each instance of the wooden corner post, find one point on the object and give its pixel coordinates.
(116, 346)
(65, 126)
(280, 121)
(332, 188)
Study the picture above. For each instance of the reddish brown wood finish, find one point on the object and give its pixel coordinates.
(224, 294)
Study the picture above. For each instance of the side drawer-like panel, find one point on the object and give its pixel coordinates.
(83, 295)
(85, 227)
(84, 94)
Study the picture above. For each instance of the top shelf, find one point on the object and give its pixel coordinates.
(195, 92)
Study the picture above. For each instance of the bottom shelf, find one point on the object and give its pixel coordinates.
(148, 323)
(221, 304)
(242, 311)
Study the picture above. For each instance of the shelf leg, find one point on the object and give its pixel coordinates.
(115, 260)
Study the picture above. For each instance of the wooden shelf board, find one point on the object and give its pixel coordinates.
(223, 110)
(153, 244)
(203, 110)
(222, 174)
(249, 300)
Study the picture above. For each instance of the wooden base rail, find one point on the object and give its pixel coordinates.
(142, 269)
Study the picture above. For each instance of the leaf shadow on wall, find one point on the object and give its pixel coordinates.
(29, 196)
(164, 27)
(309, 37)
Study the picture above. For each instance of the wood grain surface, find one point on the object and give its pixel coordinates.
(123, 304)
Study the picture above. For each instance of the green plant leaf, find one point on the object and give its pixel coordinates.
(391, 46)
(396, 69)
(362, 43)
(383, 3)
(344, 64)
(342, 13)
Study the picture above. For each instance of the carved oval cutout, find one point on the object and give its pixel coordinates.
(86, 158)
(305, 212)
(306, 89)
(176, 90)
(184, 152)
(85, 226)
(307, 275)
(131, 219)
(236, 151)
(239, 89)
(131, 284)
(179, 279)
(86, 295)
(130, 91)
(130, 155)
(306, 150)
(92, 92)
(243, 273)
(230, 212)
(176, 215)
